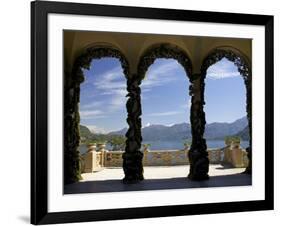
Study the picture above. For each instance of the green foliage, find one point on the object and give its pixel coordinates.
(118, 142)
(230, 139)
(97, 138)
(186, 142)
(146, 146)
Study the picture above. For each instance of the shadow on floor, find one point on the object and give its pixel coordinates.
(157, 184)
(225, 166)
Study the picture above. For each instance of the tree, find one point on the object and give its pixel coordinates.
(117, 142)
(229, 139)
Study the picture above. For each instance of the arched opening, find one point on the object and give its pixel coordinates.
(166, 131)
(72, 158)
(165, 106)
(226, 76)
(225, 104)
(102, 106)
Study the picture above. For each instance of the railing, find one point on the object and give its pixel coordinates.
(97, 157)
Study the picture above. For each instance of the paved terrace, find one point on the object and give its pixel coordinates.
(158, 177)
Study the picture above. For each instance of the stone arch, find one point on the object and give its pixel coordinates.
(164, 50)
(244, 67)
(98, 51)
(72, 81)
(229, 52)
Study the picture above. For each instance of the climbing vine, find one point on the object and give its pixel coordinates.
(198, 155)
(132, 158)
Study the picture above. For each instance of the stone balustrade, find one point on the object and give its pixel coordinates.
(97, 157)
(93, 159)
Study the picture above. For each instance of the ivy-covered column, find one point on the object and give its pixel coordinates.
(72, 168)
(198, 155)
(132, 158)
(249, 116)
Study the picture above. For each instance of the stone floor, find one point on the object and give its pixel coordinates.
(157, 177)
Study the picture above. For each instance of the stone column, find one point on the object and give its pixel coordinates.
(90, 159)
(198, 155)
(101, 149)
(72, 164)
(249, 114)
(132, 158)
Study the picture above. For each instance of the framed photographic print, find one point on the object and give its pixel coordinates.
(145, 112)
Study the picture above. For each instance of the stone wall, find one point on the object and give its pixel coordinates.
(165, 158)
(113, 158)
(96, 159)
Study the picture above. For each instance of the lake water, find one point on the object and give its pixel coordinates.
(171, 145)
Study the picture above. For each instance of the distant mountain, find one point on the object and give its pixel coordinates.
(119, 132)
(85, 132)
(160, 132)
(88, 136)
(181, 131)
(244, 134)
(220, 130)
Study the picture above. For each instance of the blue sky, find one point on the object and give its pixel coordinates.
(165, 98)
(225, 93)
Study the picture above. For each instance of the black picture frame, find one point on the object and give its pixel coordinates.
(39, 112)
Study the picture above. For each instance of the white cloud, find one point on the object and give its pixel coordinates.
(222, 75)
(146, 125)
(90, 114)
(160, 74)
(96, 129)
(111, 83)
(118, 102)
(189, 103)
(94, 104)
(166, 113)
(222, 69)
(186, 105)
